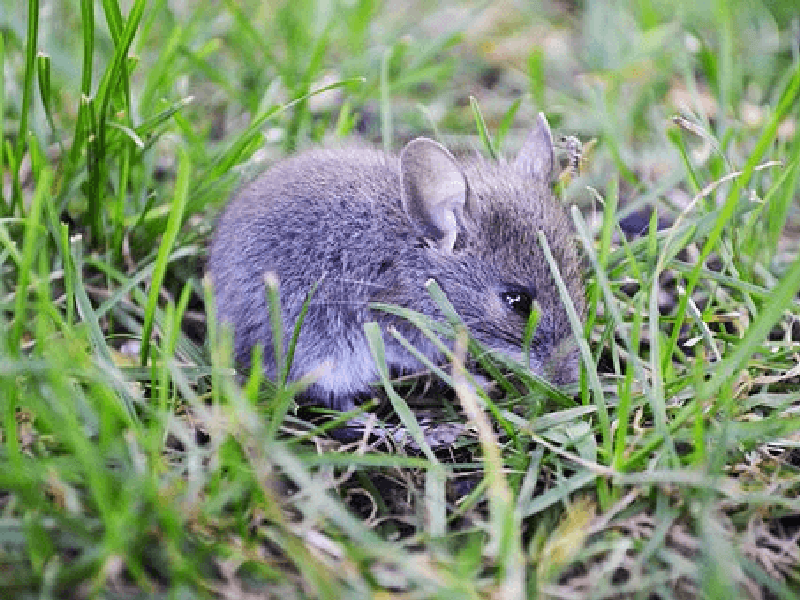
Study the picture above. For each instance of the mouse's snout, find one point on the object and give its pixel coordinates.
(564, 365)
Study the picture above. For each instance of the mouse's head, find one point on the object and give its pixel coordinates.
(480, 222)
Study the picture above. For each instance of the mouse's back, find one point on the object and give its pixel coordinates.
(314, 219)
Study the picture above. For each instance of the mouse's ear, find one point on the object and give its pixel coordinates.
(537, 157)
(434, 192)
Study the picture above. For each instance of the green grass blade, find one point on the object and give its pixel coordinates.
(118, 63)
(31, 243)
(504, 521)
(180, 199)
(272, 292)
(376, 346)
(778, 209)
(483, 132)
(3, 206)
(296, 332)
(506, 122)
(560, 493)
(586, 355)
(87, 22)
(113, 19)
(31, 45)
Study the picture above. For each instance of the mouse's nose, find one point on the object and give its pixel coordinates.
(564, 365)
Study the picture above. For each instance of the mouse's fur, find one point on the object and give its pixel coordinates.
(374, 227)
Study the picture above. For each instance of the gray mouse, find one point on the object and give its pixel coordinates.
(369, 226)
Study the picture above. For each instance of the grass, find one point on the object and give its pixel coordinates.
(134, 463)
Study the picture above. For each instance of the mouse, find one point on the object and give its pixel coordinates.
(366, 226)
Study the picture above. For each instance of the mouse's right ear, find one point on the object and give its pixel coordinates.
(537, 157)
(434, 193)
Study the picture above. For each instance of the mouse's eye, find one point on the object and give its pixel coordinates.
(520, 301)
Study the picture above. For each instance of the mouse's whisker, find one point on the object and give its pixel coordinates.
(356, 282)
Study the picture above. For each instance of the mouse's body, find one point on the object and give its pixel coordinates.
(373, 227)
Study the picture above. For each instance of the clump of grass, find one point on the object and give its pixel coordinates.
(135, 462)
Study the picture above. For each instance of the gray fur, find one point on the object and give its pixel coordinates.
(372, 227)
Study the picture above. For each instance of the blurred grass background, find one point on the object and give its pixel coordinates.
(133, 464)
